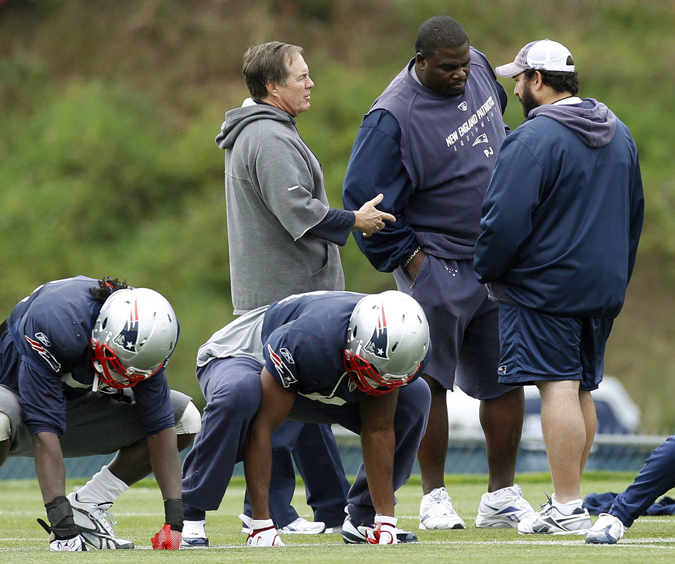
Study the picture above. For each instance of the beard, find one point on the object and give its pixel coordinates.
(527, 100)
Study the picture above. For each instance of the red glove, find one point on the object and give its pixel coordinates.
(384, 531)
(263, 533)
(167, 539)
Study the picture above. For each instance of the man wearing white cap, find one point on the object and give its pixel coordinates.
(561, 223)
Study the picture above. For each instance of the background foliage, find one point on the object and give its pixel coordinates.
(109, 109)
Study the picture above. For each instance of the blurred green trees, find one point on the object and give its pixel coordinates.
(109, 111)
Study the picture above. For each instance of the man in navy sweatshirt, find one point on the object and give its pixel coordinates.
(561, 223)
(429, 144)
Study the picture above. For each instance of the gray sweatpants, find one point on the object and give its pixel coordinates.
(96, 423)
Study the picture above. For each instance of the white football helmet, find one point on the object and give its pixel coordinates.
(133, 337)
(387, 340)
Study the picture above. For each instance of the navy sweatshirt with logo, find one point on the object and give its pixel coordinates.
(432, 157)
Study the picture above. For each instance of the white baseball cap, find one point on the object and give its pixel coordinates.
(543, 54)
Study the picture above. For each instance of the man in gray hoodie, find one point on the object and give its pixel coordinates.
(561, 223)
(283, 240)
(283, 235)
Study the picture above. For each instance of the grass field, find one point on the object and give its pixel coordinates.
(139, 514)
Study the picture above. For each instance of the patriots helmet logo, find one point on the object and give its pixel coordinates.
(378, 344)
(127, 338)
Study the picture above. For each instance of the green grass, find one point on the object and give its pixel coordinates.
(139, 515)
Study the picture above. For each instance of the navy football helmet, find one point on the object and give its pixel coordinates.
(133, 337)
(387, 340)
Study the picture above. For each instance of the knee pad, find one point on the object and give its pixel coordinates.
(5, 427)
(191, 422)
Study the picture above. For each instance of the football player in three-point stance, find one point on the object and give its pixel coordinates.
(323, 357)
(82, 373)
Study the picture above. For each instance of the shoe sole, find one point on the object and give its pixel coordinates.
(606, 540)
(456, 526)
(497, 525)
(316, 531)
(556, 533)
(98, 542)
(194, 543)
(350, 538)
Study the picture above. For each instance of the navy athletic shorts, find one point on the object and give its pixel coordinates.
(536, 346)
(464, 325)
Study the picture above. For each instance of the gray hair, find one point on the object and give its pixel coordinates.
(269, 62)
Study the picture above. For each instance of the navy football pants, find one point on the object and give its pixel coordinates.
(232, 389)
(315, 452)
(655, 479)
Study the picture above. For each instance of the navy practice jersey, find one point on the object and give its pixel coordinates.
(304, 338)
(51, 330)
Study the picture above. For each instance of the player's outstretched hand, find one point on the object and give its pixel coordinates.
(384, 531)
(167, 539)
(263, 533)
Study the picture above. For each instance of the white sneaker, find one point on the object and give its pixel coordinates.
(507, 510)
(302, 526)
(550, 521)
(607, 530)
(75, 544)
(96, 524)
(245, 523)
(194, 535)
(436, 512)
(357, 533)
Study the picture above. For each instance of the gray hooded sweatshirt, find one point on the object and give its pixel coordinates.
(275, 193)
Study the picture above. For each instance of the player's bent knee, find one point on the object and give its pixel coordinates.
(5, 436)
(5, 427)
(191, 421)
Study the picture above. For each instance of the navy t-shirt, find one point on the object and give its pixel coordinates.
(304, 339)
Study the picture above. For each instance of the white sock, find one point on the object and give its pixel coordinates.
(567, 508)
(104, 487)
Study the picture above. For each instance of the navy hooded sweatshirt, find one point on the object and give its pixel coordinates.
(563, 213)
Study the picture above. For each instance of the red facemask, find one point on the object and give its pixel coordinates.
(110, 371)
(368, 379)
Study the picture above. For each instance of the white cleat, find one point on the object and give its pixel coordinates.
(304, 527)
(96, 524)
(507, 510)
(74, 544)
(550, 521)
(357, 533)
(194, 535)
(436, 512)
(606, 530)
